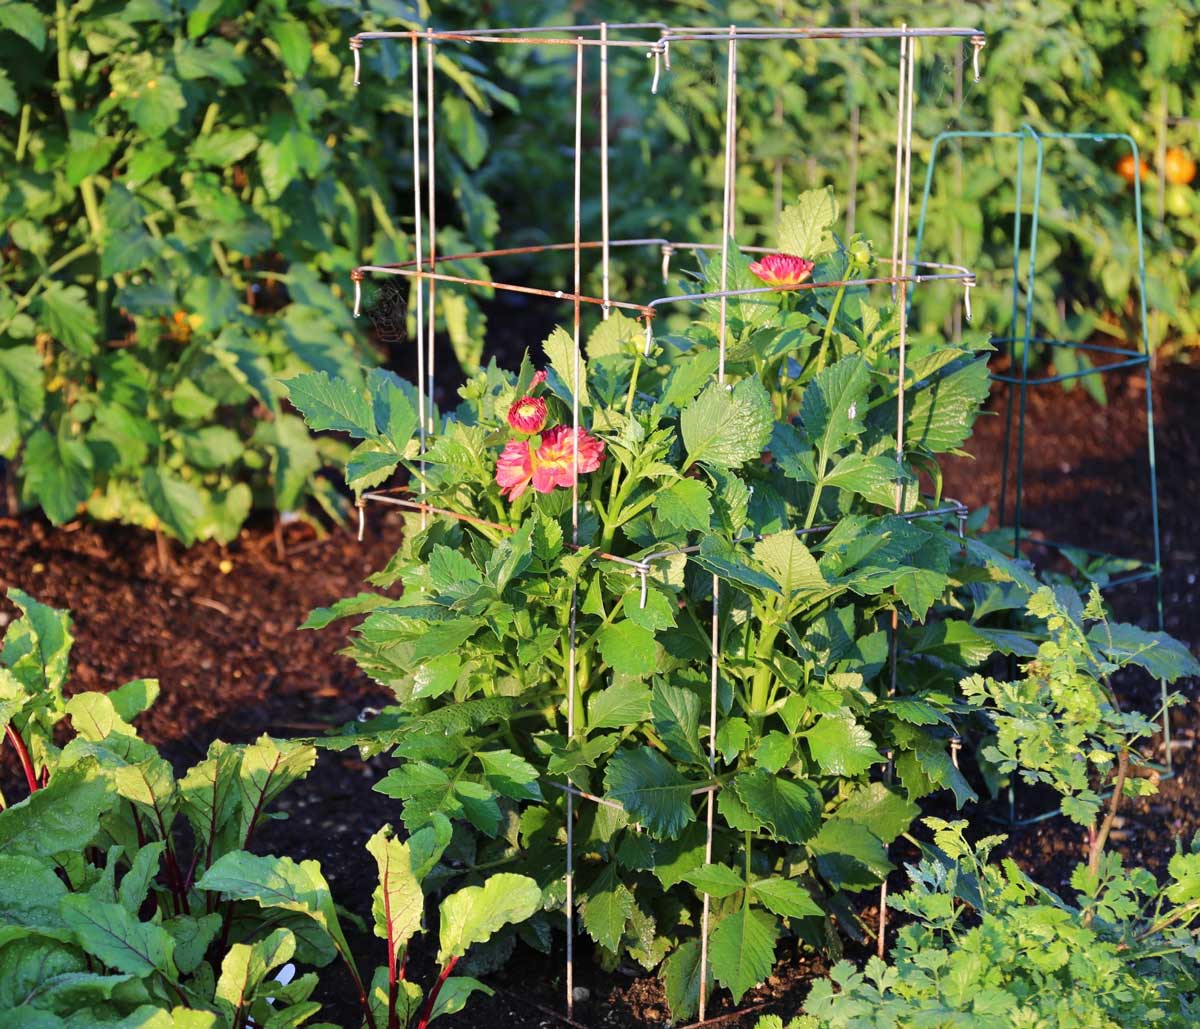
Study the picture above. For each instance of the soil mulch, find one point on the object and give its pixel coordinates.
(233, 665)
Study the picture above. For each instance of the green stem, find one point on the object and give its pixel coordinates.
(761, 687)
(833, 313)
(23, 133)
(210, 118)
(42, 281)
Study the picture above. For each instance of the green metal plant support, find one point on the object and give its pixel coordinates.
(1023, 337)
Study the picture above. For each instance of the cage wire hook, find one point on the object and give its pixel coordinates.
(968, 285)
(355, 47)
(977, 45)
(361, 504)
(649, 338)
(668, 252)
(356, 277)
(643, 572)
(657, 51)
(955, 747)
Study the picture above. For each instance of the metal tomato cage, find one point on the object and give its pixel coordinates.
(1020, 344)
(655, 40)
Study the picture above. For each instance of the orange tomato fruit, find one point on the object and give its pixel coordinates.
(1125, 168)
(1179, 166)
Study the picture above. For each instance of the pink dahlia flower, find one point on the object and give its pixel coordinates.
(551, 465)
(538, 378)
(514, 469)
(554, 463)
(780, 270)
(528, 415)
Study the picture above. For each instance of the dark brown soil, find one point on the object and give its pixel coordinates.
(233, 665)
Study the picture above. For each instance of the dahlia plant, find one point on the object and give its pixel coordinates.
(781, 483)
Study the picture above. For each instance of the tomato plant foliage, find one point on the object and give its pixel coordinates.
(182, 181)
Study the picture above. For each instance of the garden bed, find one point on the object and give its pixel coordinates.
(233, 665)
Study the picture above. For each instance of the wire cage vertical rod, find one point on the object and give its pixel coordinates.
(900, 232)
(418, 244)
(604, 224)
(572, 676)
(727, 229)
(431, 169)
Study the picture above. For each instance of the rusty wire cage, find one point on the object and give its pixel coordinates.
(654, 41)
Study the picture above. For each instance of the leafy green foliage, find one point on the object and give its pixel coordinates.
(1122, 956)
(105, 918)
(986, 945)
(184, 183)
(476, 650)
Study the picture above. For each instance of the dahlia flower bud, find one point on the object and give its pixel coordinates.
(781, 270)
(528, 415)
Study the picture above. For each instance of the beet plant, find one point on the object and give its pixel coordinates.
(128, 896)
(782, 484)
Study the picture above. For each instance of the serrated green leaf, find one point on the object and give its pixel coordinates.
(332, 404)
(806, 227)
(223, 148)
(723, 560)
(1161, 655)
(58, 474)
(560, 352)
(716, 880)
(681, 980)
(26, 21)
(726, 428)
(792, 810)
(790, 563)
(606, 907)
(676, 714)
(849, 856)
(871, 476)
(510, 774)
(834, 405)
(295, 45)
(939, 418)
(742, 950)
(179, 505)
(684, 506)
(649, 788)
(841, 746)
(880, 809)
(618, 706)
(70, 318)
(627, 648)
(785, 897)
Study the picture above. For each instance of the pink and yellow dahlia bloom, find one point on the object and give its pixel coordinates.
(555, 460)
(551, 465)
(528, 415)
(779, 270)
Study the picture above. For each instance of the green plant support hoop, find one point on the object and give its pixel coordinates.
(1023, 321)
